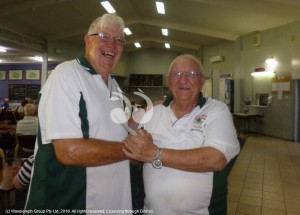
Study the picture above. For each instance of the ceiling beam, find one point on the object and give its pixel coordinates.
(15, 7)
(22, 40)
(186, 28)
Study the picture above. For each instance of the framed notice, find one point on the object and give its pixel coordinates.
(2, 75)
(32, 74)
(15, 75)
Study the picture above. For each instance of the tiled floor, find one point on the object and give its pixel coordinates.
(265, 179)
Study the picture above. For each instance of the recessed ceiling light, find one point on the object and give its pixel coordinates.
(160, 7)
(164, 31)
(108, 7)
(127, 31)
(138, 45)
(167, 45)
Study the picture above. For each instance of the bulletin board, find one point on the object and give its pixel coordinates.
(22, 91)
(281, 85)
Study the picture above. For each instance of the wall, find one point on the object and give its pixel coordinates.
(215, 70)
(241, 57)
(5, 83)
(151, 61)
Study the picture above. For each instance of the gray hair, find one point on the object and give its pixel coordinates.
(104, 21)
(189, 57)
(30, 110)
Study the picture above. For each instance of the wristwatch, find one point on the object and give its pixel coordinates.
(157, 163)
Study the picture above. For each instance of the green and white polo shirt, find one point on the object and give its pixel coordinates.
(76, 103)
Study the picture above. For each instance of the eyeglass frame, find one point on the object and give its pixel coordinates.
(118, 40)
(190, 75)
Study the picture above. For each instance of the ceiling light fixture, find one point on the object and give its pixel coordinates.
(127, 31)
(108, 7)
(164, 31)
(138, 45)
(2, 49)
(160, 7)
(167, 45)
(38, 58)
(263, 73)
(271, 63)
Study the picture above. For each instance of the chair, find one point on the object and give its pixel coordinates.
(25, 145)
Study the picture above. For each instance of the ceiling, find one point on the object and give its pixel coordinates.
(27, 26)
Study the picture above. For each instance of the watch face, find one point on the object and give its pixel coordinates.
(157, 163)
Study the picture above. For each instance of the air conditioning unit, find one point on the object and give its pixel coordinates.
(217, 59)
(256, 40)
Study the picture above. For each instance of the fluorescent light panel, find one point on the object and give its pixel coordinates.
(160, 7)
(164, 31)
(167, 45)
(108, 7)
(38, 58)
(2, 49)
(264, 73)
(138, 45)
(127, 31)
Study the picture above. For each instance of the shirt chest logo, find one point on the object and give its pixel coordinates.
(199, 120)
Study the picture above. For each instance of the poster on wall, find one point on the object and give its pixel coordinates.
(15, 75)
(2, 75)
(32, 74)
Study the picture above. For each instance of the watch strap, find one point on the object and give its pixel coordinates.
(159, 154)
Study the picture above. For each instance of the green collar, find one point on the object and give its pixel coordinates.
(201, 100)
(83, 62)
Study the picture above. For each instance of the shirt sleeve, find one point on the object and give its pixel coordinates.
(24, 174)
(220, 133)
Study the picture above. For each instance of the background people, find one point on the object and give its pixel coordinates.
(185, 147)
(79, 163)
(29, 124)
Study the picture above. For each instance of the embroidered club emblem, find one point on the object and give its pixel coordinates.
(199, 120)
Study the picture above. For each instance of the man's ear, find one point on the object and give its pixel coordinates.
(86, 40)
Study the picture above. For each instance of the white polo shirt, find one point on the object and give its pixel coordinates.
(76, 103)
(172, 191)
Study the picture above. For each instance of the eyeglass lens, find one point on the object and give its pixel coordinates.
(107, 37)
(189, 74)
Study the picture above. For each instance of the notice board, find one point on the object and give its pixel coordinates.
(22, 91)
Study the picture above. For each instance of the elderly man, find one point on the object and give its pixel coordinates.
(79, 164)
(185, 147)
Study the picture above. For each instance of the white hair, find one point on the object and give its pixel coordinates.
(104, 21)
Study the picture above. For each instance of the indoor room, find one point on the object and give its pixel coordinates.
(250, 55)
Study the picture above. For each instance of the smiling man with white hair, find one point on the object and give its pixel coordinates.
(79, 163)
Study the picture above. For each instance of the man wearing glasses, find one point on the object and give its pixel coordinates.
(185, 147)
(79, 164)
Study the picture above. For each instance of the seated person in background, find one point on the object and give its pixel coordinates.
(21, 179)
(29, 124)
(19, 111)
(4, 103)
(22, 175)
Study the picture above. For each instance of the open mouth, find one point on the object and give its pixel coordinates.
(108, 54)
(184, 88)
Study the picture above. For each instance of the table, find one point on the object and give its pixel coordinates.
(245, 118)
(6, 187)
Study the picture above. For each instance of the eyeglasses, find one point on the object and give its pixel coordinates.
(191, 75)
(107, 38)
